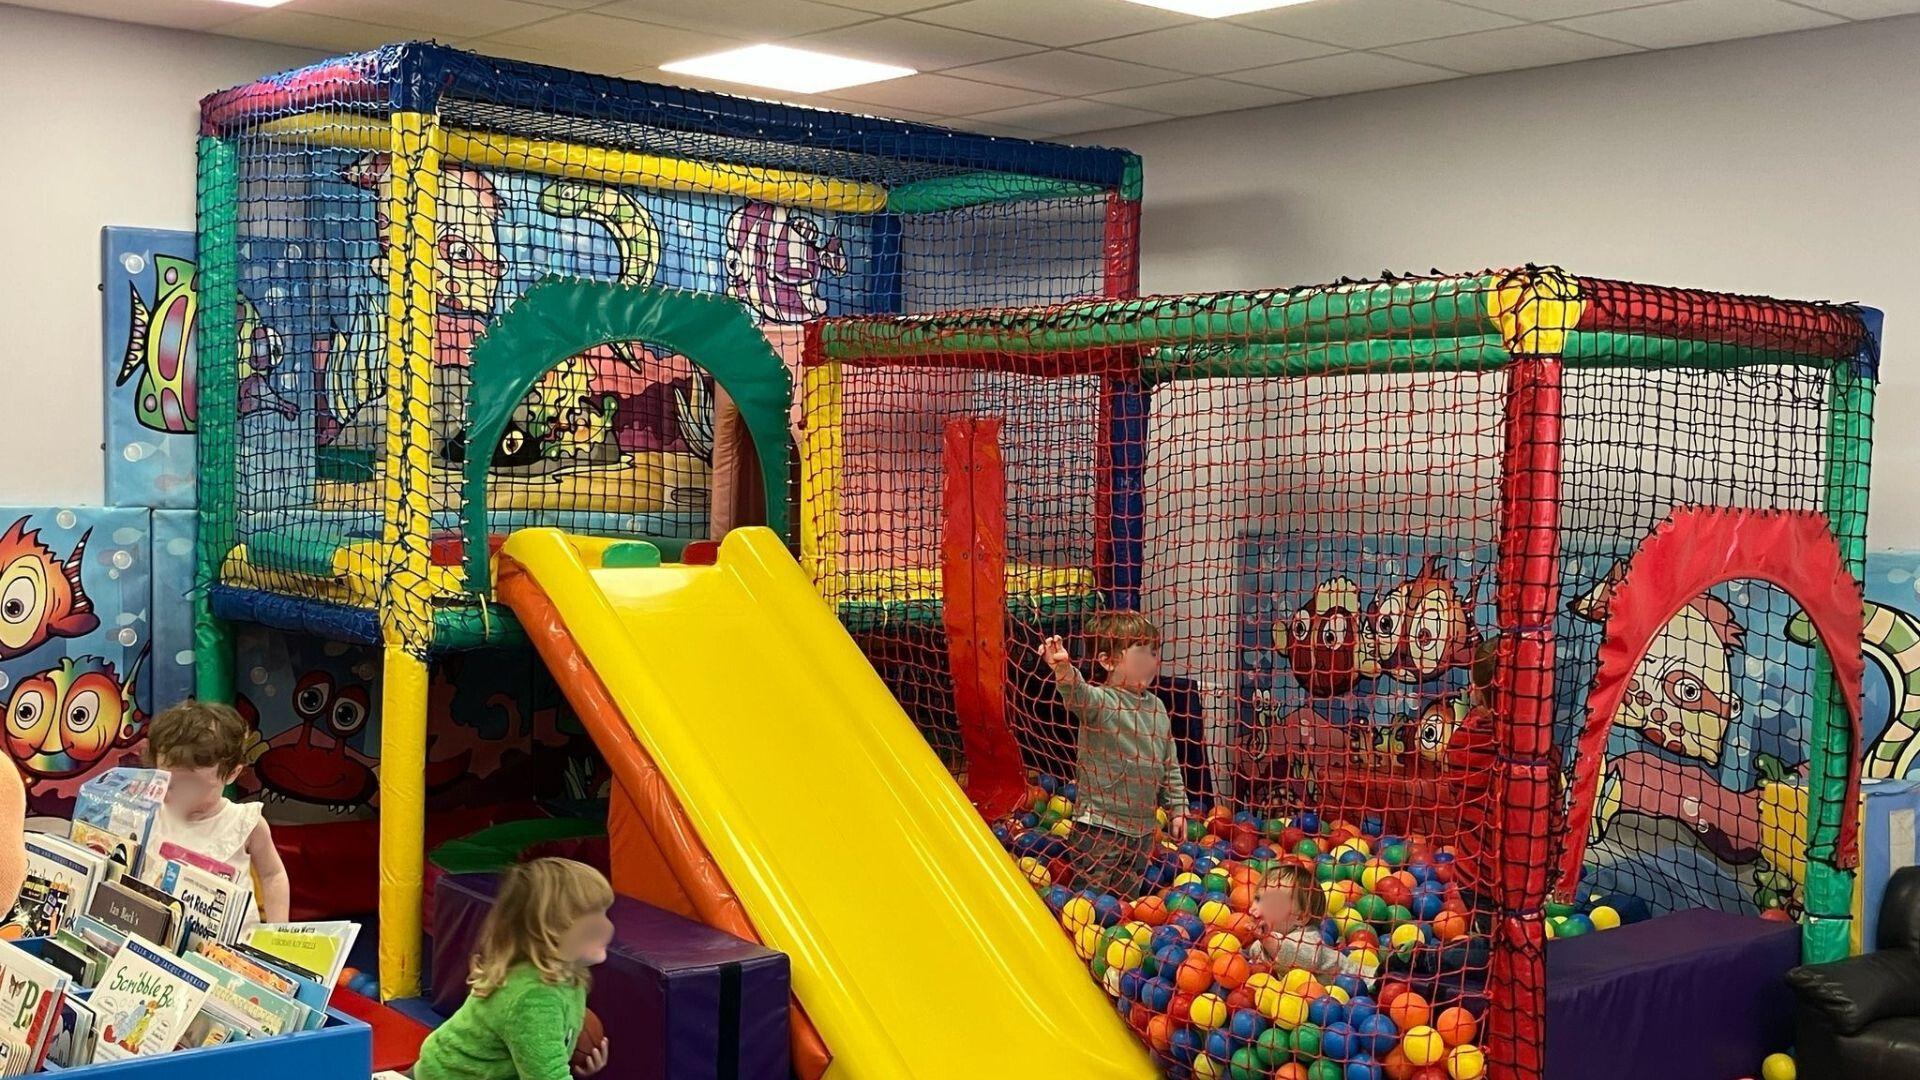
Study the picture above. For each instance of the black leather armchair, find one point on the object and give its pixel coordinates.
(1859, 1018)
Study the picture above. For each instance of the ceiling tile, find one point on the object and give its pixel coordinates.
(1052, 22)
(1694, 22)
(889, 7)
(983, 127)
(1542, 10)
(1863, 9)
(916, 45)
(609, 44)
(179, 14)
(468, 18)
(941, 94)
(1196, 97)
(1347, 73)
(311, 31)
(573, 5)
(1065, 116)
(1364, 24)
(1208, 48)
(1510, 49)
(760, 20)
(1067, 73)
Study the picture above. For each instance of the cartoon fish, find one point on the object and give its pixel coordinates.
(775, 258)
(1420, 629)
(62, 721)
(634, 233)
(1682, 696)
(41, 598)
(260, 356)
(160, 348)
(1321, 641)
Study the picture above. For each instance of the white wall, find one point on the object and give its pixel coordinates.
(97, 126)
(1784, 165)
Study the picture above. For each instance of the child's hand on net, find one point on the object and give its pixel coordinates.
(1053, 652)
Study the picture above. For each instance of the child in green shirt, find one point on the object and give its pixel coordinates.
(1127, 765)
(527, 988)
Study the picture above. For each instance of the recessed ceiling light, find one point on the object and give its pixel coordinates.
(798, 71)
(1217, 9)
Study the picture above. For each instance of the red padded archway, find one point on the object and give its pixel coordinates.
(1691, 551)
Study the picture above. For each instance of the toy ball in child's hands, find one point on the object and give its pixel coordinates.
(591, 1036)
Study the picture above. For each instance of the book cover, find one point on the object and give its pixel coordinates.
(60, 956)
(67, 872)
(308, 990)
(215, 1025)
(263, 1010)
(176, 910)
(318, 947)
(115, 812)
(127, 911)
(30, 993)
(275, 981)
(121, 849)
(95, 960)
(102, 938)
(214, 905)
(73, 1039)
(145, 1002)
(37, 912)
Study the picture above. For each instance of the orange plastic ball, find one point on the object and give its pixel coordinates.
(1230, 970)
(1409, 1010)
(1456, 1025)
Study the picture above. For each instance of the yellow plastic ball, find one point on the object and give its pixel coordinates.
(1289, 1011)
(1349, 921)
(1466, 1062)
(1086, 941)
(1221, 943)
(1404, 936)
(1423, 1046)
(1339, 994)
(1606, 918)
(1188, 878)
(1368, 960)
(1778, 1067)
(1209, 1011)
(1141, 933)
(1061, 828)
(1206, 1068)
(1214, 913)
(1371, 875)
(1061, 805)
(1125, 954)
(1259, 981)
(1336, 900)
(1036, 872)
(1076, 914)
(1295, 980)
(1553, 931)
(1342, 849)
(1266, 1001)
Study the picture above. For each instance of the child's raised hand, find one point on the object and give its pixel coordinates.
(1053, 652)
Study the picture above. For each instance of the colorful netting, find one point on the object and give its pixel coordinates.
(372, 220)
(1374, 525)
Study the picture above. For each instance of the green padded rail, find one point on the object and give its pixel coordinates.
(980, 189)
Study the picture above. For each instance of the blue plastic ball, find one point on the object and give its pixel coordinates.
(1427, 902)
(1324, 1010)
(1377, 1035)
(1057, 897)
(1329, 931)
(1336, 1039)
(1003, 833)
(1371, 825)
(1204, 863)
(1194, 889)
(1106, 910)
(1309, 823)
(1071, 791)
(1051, 847)
(1158, 993)
(1185, 1045)
(1356, 990)
(1245, 818)
(1219, 1044)
(1191, 924)
(1170, 957)
(1265, 852)
(1361, 1068)
(1029, 821)
(1049, 783)
(1353, 855)
(1192, 850)
(1360, 1010)
(1246, 1026)
(1131, 983)
(1422, 872)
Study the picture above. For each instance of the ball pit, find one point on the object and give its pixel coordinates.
(1177, 959)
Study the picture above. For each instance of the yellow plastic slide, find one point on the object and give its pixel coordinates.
(918, 949)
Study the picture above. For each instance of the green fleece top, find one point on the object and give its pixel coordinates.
(525, 1030)
(1127, 763)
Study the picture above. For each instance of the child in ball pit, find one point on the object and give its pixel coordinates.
(1289, 907)
(1128, 768)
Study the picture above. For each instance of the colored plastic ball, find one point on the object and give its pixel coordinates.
(1296, 980)
(1466, 1063)
(1427, 902)
(1326, 1069)
(1189, 925)
(1456, 1025)
(1291, 1071)
(1377, 1035)
(1289, 1010)
(1423, 1046)
(1219, 1045)
(1132, 983)
(1194, 974)
(1575, 926)
(1157, 994)
(1309, 821)
(1306, 1042)
(1181, 1008)
(1106, 910)
(347, 975)
(1326, 1010)
(1396, 1065)
(1036, 872)
(1393, 853)
(1360, 1009)
(1213, 913)
(1184, 1043)
(1604, 917)
(1245, 1064)
(1307, 849)
(1076, 913)
(1336, 1041)
(1353, 986)
(1125, 954)
(1274, 1046)
(1246, 1025)
(1029, 821)
(1778, 1067)
(1404, 938)
(1086, 942)
(1220, 941)
(1363, 1069)
(1230, 969)
(1449, 925)
(1409, 1010)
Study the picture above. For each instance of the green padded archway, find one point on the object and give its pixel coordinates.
(557, 319)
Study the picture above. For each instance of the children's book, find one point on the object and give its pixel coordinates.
(30, 995)
(16, 1059)
(68, 873)
(119, 905)
(176, 909)
(73, 1039)
(63, 958)
(92, 957)
(144, 1002)
(317, 947)
(172, 852)
(115, 812)
(275, 981)
(100, 937)
(262, 1010)
(36, 912)
(308, 990)
(214, 905)
(215, 1025)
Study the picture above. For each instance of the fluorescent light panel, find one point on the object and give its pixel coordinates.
(1217, 9)
(778, 67)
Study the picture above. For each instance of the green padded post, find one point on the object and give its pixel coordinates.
(217, 355)
(1827, 932)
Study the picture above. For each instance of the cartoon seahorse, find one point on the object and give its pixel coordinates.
(634, 234)
(1892, 643)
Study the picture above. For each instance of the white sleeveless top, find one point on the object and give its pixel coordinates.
(222, 835)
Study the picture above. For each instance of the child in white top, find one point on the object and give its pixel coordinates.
(203, 746)
(1288, 909)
